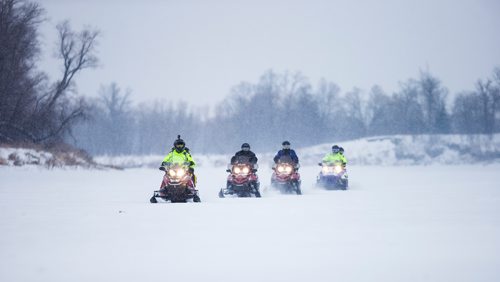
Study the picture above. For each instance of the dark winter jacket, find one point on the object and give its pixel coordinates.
(286, 154)
(244, 156)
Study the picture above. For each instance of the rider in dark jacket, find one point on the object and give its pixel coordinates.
(246, 153)
(286, 152)
(248, 157)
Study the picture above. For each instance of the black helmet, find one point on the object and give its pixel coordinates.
(335, 148)
(179, 144)
(245, 147)
(286, 145)
(341, 150)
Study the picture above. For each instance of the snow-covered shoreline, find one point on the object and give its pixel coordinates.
(380, 150)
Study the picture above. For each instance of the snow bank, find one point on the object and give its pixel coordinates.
(33, 157)
(417, 150)
(380, 150)
(151, 161)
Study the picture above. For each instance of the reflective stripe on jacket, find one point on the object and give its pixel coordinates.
(332, 158)
(180, 158)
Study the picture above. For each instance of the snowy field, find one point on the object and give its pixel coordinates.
(411, 223)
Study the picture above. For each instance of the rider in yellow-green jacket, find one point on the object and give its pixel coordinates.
(335, 156)
(180, 155)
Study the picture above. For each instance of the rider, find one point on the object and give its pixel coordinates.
(248, 156)
(245, 152)
(335, 156)
(180, 155)
(287, 155)
(286, 152)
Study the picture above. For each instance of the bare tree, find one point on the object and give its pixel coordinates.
(30, 109)
(495, 94)
(19, 79)
(77, 51)
(113, 101)
(57, 109)
(354, 115)
(467, 114)
(116, 121)
(478, 111)
(487, 108)
(407, 111)
(379, 111)
(433, 96)
(328, 98)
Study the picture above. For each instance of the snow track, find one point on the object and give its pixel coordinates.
(421, 223)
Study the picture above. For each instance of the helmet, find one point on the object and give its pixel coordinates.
(179, 144)
(245, 147)
(335, 148)
(286, 145)
(341, 150)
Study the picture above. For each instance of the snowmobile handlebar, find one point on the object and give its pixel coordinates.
(331, 163)
(165, 165)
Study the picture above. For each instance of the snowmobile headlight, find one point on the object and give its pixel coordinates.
(281, 168)
(288, 169)
(246, 170)
(337, 169)
(171, 172)
(237, 170)
(325, 169)
(181, 172)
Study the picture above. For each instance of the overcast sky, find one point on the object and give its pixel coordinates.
(198, 50)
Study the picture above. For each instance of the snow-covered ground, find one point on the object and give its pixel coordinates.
(410, 223)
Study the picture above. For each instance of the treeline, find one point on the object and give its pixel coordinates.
(286, 106)
(34, 110)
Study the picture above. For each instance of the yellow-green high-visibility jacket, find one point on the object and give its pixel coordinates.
(332, 158)
(180, 158)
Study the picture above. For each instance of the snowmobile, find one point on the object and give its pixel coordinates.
(286, 178)
(242, 180)
(333, 176)
(177, 185)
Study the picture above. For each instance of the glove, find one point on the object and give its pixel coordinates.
(191, 170)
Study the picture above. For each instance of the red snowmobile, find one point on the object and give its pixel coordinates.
(177, 185)
(242, 180)
(286, 178)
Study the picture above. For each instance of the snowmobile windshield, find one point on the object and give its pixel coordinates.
(286, 159)
(334, 163)
(243, 160)
(176, 163)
